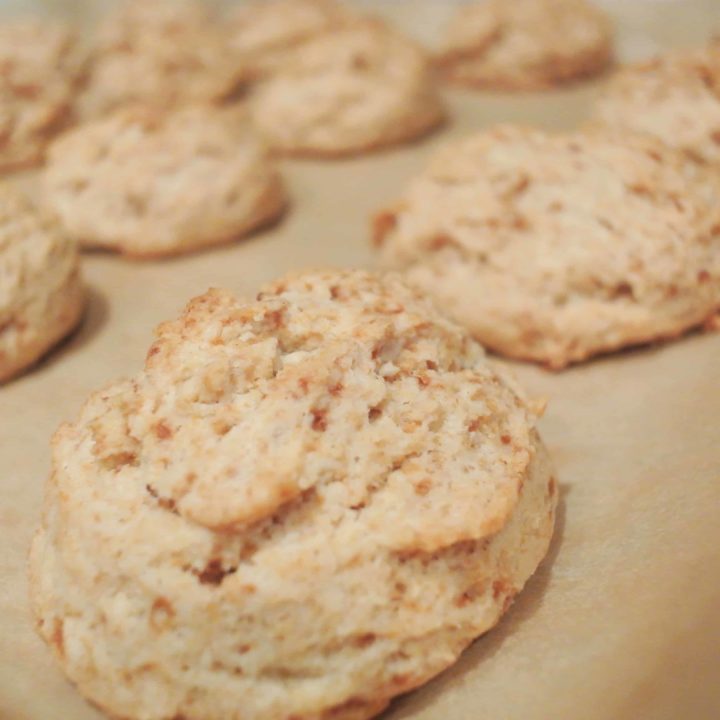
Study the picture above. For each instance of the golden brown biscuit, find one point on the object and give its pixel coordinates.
(525, 44)
(301, 507)
(554, 248)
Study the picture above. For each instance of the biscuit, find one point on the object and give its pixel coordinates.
(554, 248)
(525, 44)
(41, 68)
(161, 52)
(359, 88)
(265, 30)
(41, 294)
(131, 19)
(675, 98)
(148, 183)
(301, 507)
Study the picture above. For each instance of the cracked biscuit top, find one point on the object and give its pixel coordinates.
(317, 498)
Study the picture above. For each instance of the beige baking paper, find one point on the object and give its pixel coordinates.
(622, 621)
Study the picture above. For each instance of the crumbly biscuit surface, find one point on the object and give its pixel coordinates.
(149, 183)
(525, 44)
(301, 507)
(41, 295)
(675, 98)
(556, 247)
(357, 88)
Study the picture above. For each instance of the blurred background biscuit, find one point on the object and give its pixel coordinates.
(361, 87)
(148, 183)
(41, 293)
(554, 248)
(525, 44)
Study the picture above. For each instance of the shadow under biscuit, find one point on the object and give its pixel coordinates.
(527, 602)
(649, 349)
(94, 319)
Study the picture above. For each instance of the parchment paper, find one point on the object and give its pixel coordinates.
(622, 621)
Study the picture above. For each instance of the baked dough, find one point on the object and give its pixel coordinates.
(554, 248)
(265, 30)
(161, 52)
(41, 294)
(525, 44)
(41, 68)
(675, 98)
(148, 183)
(359, 88)
(301, 507)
